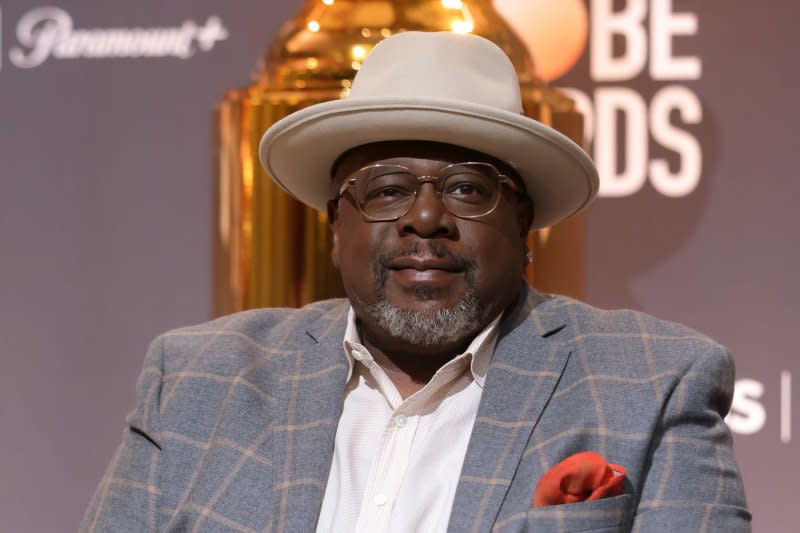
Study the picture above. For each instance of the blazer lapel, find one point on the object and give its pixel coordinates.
(310, 405)
(526, 366)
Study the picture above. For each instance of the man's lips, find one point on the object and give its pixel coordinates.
(413, 271)
(422, 264)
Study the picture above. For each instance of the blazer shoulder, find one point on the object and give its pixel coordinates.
(268, 317)
(595, 320)
(250, 332)
(617, 328)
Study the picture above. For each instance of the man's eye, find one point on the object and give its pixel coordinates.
(467, 191)
(463, 189)
(386, 194)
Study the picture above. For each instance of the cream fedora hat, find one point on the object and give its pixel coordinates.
(442, 87)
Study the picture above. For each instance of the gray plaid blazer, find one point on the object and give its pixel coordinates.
(235, 423)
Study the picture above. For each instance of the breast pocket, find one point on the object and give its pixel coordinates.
(599, 516)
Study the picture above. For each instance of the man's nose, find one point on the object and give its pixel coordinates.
(428, 217)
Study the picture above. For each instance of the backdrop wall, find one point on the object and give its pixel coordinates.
(105, 180)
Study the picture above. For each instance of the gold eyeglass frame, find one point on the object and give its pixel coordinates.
(502, 179)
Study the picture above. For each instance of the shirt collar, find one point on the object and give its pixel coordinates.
(479, 352)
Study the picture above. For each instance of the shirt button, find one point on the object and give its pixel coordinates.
(400, 421)
(380, 500)
(357, 355)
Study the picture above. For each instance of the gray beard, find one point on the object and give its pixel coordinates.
(428, 328)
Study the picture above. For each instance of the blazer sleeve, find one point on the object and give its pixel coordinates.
(127, 498)
(693, 481)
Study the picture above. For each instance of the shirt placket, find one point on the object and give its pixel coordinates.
(394, 451)
(387, 473)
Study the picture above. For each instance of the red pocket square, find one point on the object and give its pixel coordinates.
(580, 477)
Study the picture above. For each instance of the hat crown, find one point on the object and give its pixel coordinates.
(439, 66)
(445, 88)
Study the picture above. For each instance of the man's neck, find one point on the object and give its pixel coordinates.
(409, 372)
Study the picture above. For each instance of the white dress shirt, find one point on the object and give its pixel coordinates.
(396, 463)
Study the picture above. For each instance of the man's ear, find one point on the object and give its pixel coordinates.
(335, 223)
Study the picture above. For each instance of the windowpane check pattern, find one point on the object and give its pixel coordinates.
(236, 420)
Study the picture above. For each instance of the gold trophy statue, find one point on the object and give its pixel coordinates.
(270, 250)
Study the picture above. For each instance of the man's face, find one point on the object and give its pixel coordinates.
(434, 271)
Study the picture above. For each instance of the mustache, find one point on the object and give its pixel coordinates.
(380, 266)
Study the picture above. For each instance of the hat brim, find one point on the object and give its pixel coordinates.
(299, 150)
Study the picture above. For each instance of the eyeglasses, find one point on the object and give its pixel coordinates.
(385, 193)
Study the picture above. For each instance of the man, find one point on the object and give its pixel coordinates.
(443, 394)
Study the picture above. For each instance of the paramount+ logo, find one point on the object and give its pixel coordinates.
(50, 33)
